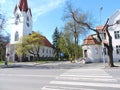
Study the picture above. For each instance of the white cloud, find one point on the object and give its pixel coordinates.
(46, 7)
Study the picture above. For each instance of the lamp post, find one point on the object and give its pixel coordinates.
(103, 55)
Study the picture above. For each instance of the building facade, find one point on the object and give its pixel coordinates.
(95, 51)
(21, 25)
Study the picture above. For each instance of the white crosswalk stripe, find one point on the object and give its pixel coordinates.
(83, 79)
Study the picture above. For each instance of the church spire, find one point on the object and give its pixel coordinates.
(23, 5)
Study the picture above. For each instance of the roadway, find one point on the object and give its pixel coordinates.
(59, 76)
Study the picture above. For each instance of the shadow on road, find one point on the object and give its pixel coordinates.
(44, 66)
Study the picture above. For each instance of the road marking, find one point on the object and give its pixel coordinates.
(64, 88)
(86, 84)
(83, 79)
(89, 76)
(91, 79)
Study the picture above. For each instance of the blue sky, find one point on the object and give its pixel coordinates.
(47, 14)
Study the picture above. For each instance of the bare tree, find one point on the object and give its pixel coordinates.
(75, 29)
(81, 18)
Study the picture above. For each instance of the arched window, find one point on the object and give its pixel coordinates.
(16, 36)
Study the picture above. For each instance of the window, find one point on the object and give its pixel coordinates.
(118, 49)
(27, 18)
(49, 51)
(28, 24)
(117, 34)
(43, 50)
(16, 36)
(46, 50)
(85, 53)
(17, 19)
(103, 35)
(105, 51)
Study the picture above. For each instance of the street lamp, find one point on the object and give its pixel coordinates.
(102, 36)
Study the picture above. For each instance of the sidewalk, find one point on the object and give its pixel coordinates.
(101, 65)
(85, 66)
(22, 64)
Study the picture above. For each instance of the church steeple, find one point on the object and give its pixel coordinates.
(22, 21)
(23, 5)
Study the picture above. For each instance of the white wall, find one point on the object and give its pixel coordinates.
(48, 52)
(94, 53)
(112, 20)
(22, 28)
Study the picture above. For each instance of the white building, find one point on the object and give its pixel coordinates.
(92, 48)
(21, 25)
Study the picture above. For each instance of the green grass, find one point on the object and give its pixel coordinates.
(44, 61)
(2, 62)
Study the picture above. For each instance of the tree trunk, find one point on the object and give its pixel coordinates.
(110, 49)
(75, 48)
(38, 56)
(110, 56)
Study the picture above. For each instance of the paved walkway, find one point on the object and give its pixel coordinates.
(89, 65)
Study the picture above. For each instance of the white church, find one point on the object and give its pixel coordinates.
(21, 25)
(93, 50)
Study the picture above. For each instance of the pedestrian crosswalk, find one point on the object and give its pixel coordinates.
(84, 79)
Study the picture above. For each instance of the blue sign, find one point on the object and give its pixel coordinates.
(62, 54)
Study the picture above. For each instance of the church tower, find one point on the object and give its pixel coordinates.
(21, 25)
(21, 22)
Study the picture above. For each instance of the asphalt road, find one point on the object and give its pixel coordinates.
(59, 76)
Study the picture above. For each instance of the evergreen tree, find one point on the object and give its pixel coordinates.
(55, 42)
(3, 39)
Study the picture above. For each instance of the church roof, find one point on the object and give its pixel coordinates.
(23, 6)
(47, 43)
(90, 40)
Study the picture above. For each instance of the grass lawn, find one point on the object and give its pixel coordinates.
(2, 62)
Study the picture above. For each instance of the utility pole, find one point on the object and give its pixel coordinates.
(102, 34)
(101, 8)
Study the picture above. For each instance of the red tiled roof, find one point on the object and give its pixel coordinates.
(43, 39)
(90, 40)
(47, 43)
(100, 28)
